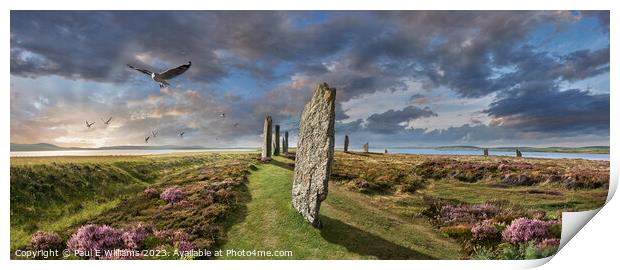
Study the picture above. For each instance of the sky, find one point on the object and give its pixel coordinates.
(403, 78)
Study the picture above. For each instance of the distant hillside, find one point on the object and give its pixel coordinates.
(582, 150)
(35, 147)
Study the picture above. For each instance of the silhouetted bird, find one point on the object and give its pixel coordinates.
(236, 125)
(223, 115)
(154, 133)
(166, 75)
(182, 133)
(108, 121)
(146, 140)
(89, 125)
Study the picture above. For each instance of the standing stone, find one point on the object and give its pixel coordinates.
(273, 144)
(385, 151)
(266, 153)
(346, 143)
(276, 151)
(285, 142)
(486, 152)
(518, 153)
(315, 153)
(366, 148)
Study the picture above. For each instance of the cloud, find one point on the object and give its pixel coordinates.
(253, 63)
(393, 120)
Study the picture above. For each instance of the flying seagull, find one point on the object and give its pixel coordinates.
(181, 134)
(89, 125)
(146, 140)
(166, 75)
(108, 121)
(223, 115)
(154, 133)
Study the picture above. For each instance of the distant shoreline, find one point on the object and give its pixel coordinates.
(51, 147)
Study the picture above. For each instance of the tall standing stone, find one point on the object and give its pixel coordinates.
(385, 151)
(346, 143)
(285, 143)
(366, 148)
(518, 152)
(486, 152)
(266, 153)
(276, 150)
(315, 153)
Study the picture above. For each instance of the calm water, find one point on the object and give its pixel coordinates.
(418, 151)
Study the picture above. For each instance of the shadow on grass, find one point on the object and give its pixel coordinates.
(281, 164)
(365, 243)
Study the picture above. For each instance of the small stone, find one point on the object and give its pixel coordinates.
(486, 152)
(366, 148)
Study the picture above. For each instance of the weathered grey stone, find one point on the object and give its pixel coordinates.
(346, 143)
(314, 154)
(266, 151)
(276, 135)
(365, 148)
(518, 153)
(486, 151)
(285, 143)
(385, 151)
(273, 144)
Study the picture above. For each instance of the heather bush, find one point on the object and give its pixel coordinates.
(46, 241)
(456, 214)
(92, 237)
(522, 230)
(485, 232)
(549, 242)
(151, 192)
(172, 195)
(135, 234)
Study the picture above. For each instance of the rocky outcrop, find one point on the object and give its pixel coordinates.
(314, 154)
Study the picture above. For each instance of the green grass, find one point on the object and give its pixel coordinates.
(353, 228)
(253, 211)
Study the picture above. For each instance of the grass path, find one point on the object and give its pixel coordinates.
(353, 228)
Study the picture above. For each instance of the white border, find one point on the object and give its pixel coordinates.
(592, 248)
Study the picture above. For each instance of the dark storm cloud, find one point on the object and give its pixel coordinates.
(543, 108)
(389, 121)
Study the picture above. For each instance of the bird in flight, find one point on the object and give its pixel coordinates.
(236, 125)
(181, 134)
(223, 115)
(108, 121)
(166, 75)
(88, 125)
(146, 140)
(154, 133)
